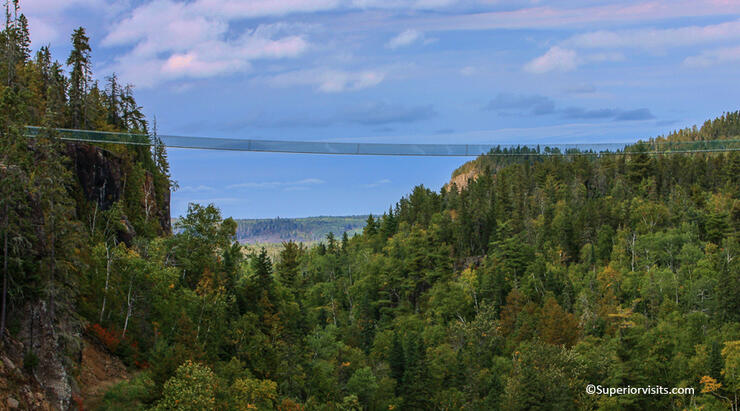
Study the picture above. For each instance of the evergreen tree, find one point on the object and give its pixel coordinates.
(262, 267)
(371, 227)
(80, 78)
(113, 102)
(288, 264)
(397, 360)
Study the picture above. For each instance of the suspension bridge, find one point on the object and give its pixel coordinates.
(386, 149)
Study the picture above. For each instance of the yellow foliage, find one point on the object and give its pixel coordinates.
(709, 384)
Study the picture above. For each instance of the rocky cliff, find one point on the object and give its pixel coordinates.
(461, 180)
(102, 178)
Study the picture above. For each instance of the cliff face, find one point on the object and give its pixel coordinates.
(159, 210)
(482, 165)
(35, 365)
(460, 181)
(99, 172)
(102, 178)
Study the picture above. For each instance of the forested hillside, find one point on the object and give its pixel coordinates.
(512, 293)
(63, 208)
(540, 276)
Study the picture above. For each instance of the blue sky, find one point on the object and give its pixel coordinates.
(419, 71)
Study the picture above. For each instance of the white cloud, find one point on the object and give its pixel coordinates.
(578, 17)
(562, 60)
(261, 8)
(468, 70)
(55, 6)
(377, 183)
(556, 59)
(42, 31)
(713, 57)
(329, 80)
(195, 189)
(170, 40)
(265, 8)
(405, 38)
(565, 56)
(656, 39)
(401, 4)
(48, 23)
(287, 185)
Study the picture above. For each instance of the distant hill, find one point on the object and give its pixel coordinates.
(308, 229)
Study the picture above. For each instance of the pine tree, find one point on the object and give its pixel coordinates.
(60, 231)
(9, 49)
(397, 360)
(331, 242)
(371, 227)
(389, 224)
(416, 394)
(13, 207)
(15, 158)
(53, 85)
(131, 113)
(345, 242)
(287, 267)
(113, 101)
(262, 267)
(24, 39)
(80, 78)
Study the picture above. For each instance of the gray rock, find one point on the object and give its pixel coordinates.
(13, 403)
(8, 363)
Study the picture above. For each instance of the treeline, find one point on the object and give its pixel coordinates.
(725, 127)
(309, 229)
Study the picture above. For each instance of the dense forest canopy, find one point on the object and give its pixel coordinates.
(512, 292)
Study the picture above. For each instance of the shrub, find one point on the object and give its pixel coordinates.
(191, 388)
(130, 395)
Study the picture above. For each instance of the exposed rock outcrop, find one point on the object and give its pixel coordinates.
(461, 180)
(34, 370)
(99, 172)
(101, 175)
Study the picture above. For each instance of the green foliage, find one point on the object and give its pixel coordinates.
(135, 394)
(544, 377)
(191, 388)
(251, 393)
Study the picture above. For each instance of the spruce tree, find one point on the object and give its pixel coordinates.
(80, 78)
(287, 268)
(371, 227)
(262, 267)
(113, 101)
(397, 361)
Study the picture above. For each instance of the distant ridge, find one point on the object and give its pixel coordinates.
(307, 229)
